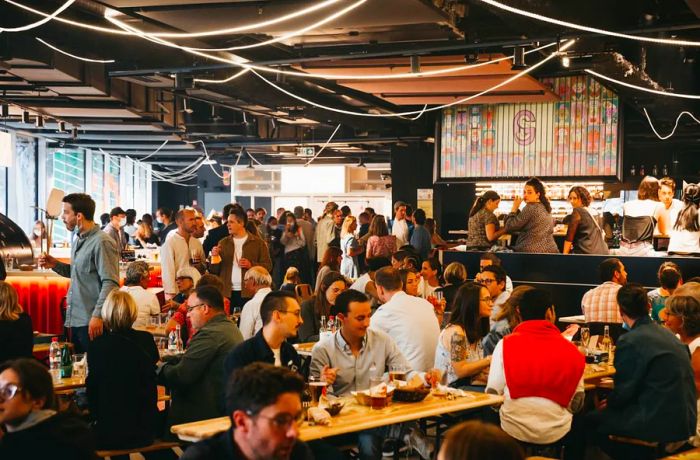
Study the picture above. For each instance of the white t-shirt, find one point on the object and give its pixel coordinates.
(236, 272)
(361, 283)
(147, 304)
(425, 290)
(400, 230)
(278, 357)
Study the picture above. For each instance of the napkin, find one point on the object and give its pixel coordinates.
(319, 416)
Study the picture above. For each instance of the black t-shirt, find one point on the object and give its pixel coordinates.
(16, 338)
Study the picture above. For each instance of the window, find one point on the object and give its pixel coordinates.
(21, 180)
(98, 180)
(65, 171)
(111, 182)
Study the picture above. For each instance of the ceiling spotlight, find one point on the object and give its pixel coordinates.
(565, 61)
(39, 121)
(25, 117)
(5, 110)
(250, 164)
(519, 59)
(61, 126)
(74, 133)
(415, 64)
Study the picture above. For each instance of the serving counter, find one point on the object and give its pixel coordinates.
(568, 277)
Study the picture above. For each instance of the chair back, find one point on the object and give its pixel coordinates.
(303, 292)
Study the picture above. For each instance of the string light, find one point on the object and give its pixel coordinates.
(539, 17)
(673, 131)
(47, 18)
(323, 147)
(281, 38)
(99, 61)
(229, 31)
(225, 80)
(239, 62)
(414, 112)
(641, 88)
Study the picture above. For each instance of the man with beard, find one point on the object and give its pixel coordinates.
(264, 404)
(93, 271)
(281, 316)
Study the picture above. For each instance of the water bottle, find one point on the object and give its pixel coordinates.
(322, 331)
(172, 341)
(55, 359)
(331, 324)
(179, 345)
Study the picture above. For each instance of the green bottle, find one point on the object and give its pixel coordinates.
(66, 362)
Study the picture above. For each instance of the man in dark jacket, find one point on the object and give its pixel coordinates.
(281, 316)
(195, 378)
(264, 404)
(654, 397)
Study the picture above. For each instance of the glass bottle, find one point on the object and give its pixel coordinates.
(606, 342)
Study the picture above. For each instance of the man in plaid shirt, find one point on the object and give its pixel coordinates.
(600, 304)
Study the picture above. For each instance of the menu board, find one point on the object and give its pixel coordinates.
(575, 136)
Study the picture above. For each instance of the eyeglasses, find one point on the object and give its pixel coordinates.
(189, 309)
(282, 421)
(9, 391)
(486, 299)
(296, 313)
(486, 281)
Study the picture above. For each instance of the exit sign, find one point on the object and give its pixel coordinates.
(306, 151)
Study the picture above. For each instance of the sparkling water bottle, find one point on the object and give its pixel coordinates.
(55, 359)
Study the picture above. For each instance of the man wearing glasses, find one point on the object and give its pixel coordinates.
(264, 404)
(489, 258)
(494, 278)
(281, 318)
(195, 378)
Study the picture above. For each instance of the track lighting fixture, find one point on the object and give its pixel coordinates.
(5, 110)
(25, 117)
(519, 59)
(61, 126)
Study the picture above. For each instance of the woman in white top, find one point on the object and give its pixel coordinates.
(459, 354)
(640, 218)
(295, 253)
(683, 318)
(430, 278)
(351, 248)
(136, 284)
(685, 235)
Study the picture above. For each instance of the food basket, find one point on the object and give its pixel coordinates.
(411, 394)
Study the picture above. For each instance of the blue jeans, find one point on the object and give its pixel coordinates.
(80, 338)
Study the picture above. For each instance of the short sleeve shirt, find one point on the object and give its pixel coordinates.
(477, 229)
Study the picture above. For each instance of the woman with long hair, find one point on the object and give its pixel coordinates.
(380, 243)
(506, 319)
(121, 381)
(351, 248)
(641, 216)
(409, 281)
(685, 235)
(583, 235)
(319, 305)
(38, 232)
(459, 353)
(435, 237)
(144, 233)
(683, 318)
(295, 253)
(534, 222)
(329, 263)
(483, 224)
(670, 277)
(16, 335)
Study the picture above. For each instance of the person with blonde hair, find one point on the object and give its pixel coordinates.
(16, 335)
(121, 382)
(291, 279)
(350, 247)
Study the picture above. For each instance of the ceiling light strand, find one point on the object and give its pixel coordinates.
(531, 68)
(673, 131)
(641, 88)
(539, 17)
(209, 33)
(41, 22)
(323, 147)
(98, 61)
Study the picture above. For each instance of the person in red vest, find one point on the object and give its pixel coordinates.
(540, 374)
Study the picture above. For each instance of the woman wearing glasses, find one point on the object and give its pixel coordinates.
(459, 354)
(33, 428)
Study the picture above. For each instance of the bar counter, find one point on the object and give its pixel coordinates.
(41, 294)
(568, 277)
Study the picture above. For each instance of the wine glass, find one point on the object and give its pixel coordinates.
(585, 337)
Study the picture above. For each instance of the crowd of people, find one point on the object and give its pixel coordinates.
(381, 302)
(655, 212)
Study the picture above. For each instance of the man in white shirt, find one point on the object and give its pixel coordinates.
(399, 226)
(136, 284)
(258, 280)
(179, 249)
(667, 188)
(409, 320)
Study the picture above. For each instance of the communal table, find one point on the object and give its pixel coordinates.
(304, 349)
(692, 454)
(69, 383)
(595, 373)
(354, 417)
(157, 331)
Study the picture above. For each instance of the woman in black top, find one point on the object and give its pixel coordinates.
(33, 428)
(16, 335)
(583, 235)
(321, 304)
(121, 382)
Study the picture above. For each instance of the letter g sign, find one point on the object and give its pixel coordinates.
(524, 127)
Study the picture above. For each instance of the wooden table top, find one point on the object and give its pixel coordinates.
(158, 331)
(353, 417)
(304, 349)
(692, 454)
(69, 383)
(597, 371)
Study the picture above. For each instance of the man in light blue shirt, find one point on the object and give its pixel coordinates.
(93, 271)
(421, 239)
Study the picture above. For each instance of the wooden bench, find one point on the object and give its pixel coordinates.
(157, 445)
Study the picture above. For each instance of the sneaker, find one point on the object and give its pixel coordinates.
(416, 440)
